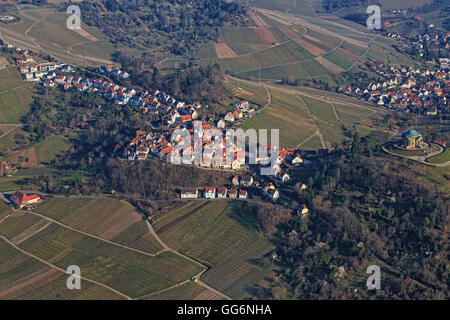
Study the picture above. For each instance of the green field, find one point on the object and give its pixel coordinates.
(15, 96)
(53, 36)
(222, 234)
(349, 115)
(98, 49)
(12, 140)
(287, 114)
(326, 120)
(441, 158)
(51, 147)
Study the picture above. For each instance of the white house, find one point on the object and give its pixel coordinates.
(189, 194)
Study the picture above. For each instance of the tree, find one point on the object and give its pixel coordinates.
(356, 143)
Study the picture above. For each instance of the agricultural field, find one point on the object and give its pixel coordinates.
(39, 28)
(4, 210)
(109, 219)
(187, 291)
(25, 278)
(277, 49)
(286, 113)
(349, 115)
(326, 120)
(102, 50)
(311, 144)
(12, 140)
(50, 148)
(255, 94)
(15, 96)
(131, 273)
(222, 234)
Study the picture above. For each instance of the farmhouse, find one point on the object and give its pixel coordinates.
(189, 194)
(283, 176)
(20, 199)
(271, 192)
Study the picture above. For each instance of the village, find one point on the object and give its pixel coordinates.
(174, 115)
(407, 89)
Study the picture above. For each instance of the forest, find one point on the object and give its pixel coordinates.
(187, 83)
(385, 219)
(178, 26)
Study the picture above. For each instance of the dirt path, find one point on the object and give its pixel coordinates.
(205, 268)
(305, 141)
(62, 270)
(28, 84)
(318, 133)
(10, 130)
(91, 235)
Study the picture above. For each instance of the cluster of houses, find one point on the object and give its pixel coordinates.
(215, 193)
(113, 71)
(438, 40)
(31, 70)
(407, 89)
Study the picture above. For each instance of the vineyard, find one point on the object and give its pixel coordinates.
(130, 272)
(223, 235)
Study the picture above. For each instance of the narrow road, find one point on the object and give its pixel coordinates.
(62, 270)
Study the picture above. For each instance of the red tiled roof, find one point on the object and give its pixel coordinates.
(21, 199)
